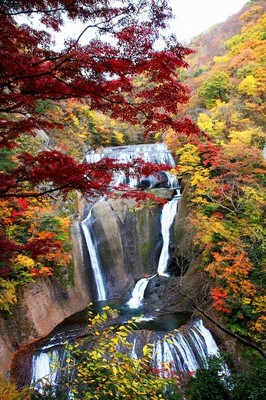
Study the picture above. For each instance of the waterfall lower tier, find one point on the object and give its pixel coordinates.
(95, 263)
(184, 350)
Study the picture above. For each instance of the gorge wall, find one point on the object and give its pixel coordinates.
(129, 242)
(43, 305)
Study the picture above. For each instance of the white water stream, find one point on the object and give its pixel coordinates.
(184, 352)
(138, 293)
(167, 219)
(44, 371)
(179, 351)
(95, 264)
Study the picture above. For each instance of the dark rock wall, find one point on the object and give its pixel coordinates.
(129, 242)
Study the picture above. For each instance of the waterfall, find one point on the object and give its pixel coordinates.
(178, 351)
(184, 352)
(138, 293)
(97, 273)
(167, 218)
(168, 215)
(156, 153)
(44, 371)
(207, 345)
(133, 353)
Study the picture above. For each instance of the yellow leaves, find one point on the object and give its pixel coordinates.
(249, 193)
(201, 174)
(208, 228)
(259, 304)
(246, 301)
(74, 119)
(258, 328)
(205, 123)
(65, 223)
(241, 136)
(248, 86)
(9, 391)
(222, 59)
(189, 159)
(24, 261)
(251, 13)
(8, 296)
(119, 137)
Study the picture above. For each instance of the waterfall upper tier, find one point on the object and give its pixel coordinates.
(156, 153)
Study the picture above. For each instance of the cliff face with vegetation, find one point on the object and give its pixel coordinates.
(129, 242)
(43, 305)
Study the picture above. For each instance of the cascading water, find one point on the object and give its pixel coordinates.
(184, 351)
(156, 153)
(208, 345)
(138, 293)
(187, 350)
(43, 371)
(167, 218)
(95, 265)
(168, 215)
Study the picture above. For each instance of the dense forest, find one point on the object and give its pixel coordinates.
(206, 102)
(226, 77)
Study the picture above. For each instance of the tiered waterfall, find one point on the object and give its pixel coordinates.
(118, 271)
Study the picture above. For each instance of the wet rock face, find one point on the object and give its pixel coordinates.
(128, 241)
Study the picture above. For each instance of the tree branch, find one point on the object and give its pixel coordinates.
(224, 329)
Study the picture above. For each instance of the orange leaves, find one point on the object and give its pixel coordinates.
(231, 267)
(219, 295)
(34, 240)
(44, 271)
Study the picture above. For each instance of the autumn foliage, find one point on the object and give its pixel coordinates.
(225, 169)
(100, 71)
(110, 68)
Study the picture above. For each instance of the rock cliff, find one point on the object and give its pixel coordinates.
(43, 305)
(129, 243)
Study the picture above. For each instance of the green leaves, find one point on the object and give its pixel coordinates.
(105, 368)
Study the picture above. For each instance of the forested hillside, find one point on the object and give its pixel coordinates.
(225, 169)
